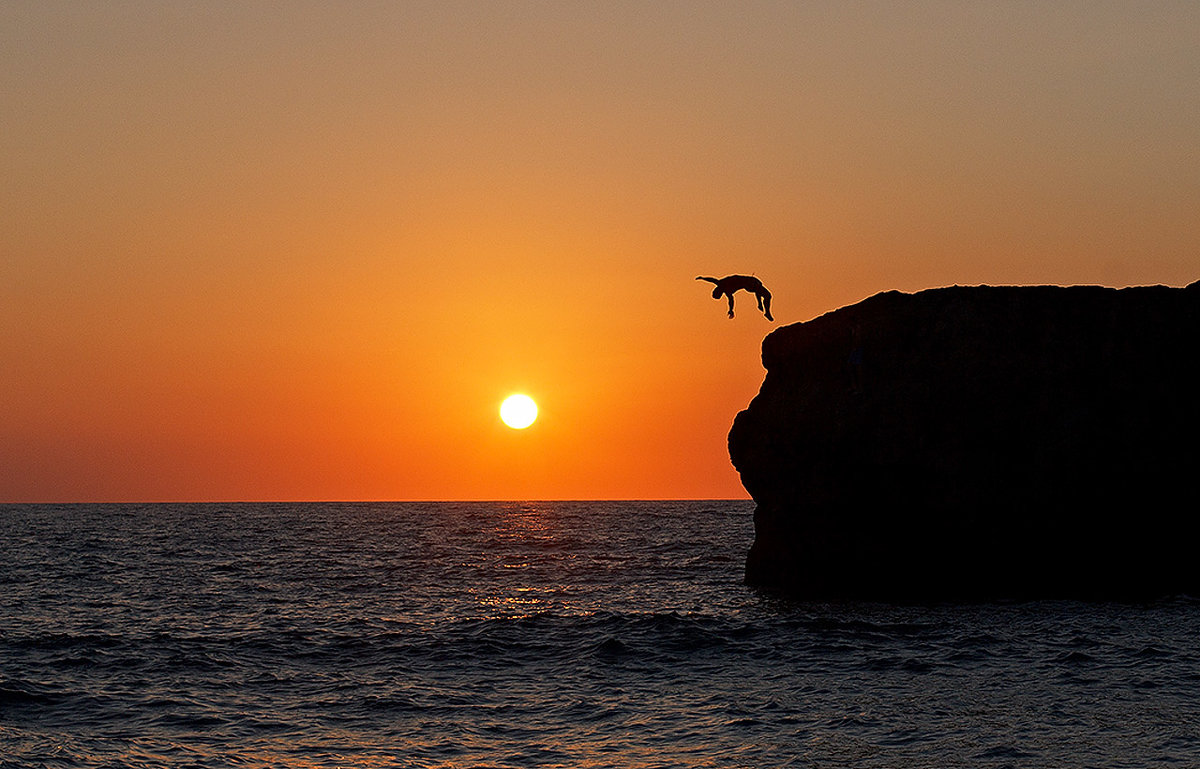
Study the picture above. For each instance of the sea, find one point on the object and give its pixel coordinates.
(539, 634)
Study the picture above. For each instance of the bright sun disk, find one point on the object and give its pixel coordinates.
(518, 411)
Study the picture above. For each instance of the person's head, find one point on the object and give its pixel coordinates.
(717, 292)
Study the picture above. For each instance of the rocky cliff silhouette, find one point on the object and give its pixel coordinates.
(979, 442)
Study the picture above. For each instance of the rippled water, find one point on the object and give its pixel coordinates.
(590, 634)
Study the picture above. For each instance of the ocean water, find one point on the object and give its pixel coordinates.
(558, 634)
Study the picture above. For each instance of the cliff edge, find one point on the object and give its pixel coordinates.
(979, 442)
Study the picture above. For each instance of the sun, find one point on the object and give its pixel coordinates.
(518, 411)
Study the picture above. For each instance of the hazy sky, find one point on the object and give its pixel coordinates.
(303, 250)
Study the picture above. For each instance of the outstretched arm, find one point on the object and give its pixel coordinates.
(710, 280)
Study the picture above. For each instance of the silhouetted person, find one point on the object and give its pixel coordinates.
(731, 283)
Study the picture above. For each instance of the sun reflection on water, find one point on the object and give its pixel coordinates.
(529, 563)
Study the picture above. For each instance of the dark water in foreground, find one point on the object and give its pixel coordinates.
(599, 634)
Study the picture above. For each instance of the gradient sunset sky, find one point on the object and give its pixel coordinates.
(301, 251)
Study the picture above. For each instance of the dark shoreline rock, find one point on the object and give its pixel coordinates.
(979, 442)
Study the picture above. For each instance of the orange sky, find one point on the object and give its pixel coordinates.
(302, 251)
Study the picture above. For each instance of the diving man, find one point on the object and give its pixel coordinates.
(731, 283)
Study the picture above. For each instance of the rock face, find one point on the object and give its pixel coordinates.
(979, 442)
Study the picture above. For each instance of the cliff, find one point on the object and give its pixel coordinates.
(979, 442)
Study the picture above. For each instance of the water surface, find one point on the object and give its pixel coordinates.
(587, 634)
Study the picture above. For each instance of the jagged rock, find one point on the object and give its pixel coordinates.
(979, 442)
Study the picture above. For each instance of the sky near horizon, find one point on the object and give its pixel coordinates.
(302, 251)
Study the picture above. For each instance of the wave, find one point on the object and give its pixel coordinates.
(17, 692)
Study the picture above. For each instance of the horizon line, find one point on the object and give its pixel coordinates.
(373, 501)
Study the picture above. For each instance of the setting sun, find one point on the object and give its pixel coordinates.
(518, 411)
